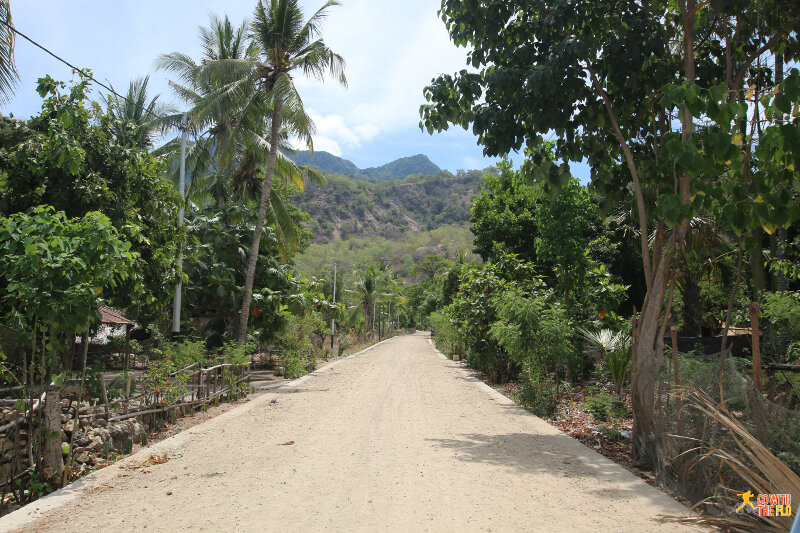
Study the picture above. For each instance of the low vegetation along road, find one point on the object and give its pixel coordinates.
(396, 438)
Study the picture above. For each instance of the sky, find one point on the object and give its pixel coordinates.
(392, 49)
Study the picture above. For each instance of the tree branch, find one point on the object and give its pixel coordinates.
(740, 74)
(637, 185)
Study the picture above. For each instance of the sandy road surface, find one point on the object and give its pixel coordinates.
(394, 439)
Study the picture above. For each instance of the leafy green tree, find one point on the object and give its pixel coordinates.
(607, 86)
(251, 99)
(71, 159)
(504, 215)
(531, 328)
(287, 43)
(54, 273)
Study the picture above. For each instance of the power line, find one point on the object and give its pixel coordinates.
(73, 67)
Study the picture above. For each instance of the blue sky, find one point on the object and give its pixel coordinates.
(393, 49)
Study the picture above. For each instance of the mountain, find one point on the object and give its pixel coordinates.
(401, 168)
(346, 207)
(396, 170)
(327, 163)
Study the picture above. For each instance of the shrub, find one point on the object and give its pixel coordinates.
(537, 392)
(534, 332)
(293, 364)
(344, 343)
(617, 353)
(780, 319)
(604, 406)
(538, 396)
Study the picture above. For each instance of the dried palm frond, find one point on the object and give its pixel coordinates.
(758, 468)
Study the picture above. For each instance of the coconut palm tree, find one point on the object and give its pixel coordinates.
(287, 45)
(215, 121)
(229, 119)
(8, 70)
(139, 118)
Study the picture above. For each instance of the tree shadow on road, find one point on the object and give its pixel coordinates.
(554, 454)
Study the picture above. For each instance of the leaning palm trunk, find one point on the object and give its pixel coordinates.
(266, 187)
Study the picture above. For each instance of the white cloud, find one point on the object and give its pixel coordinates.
(333, 129)
(324, 144)
(392, 49)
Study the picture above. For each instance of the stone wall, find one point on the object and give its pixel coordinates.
(94, 441)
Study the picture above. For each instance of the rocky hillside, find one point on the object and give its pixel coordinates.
(396, 170)
(346, 208)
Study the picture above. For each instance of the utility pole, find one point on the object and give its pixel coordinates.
(374, 307)
(333, 320)
(176, 308)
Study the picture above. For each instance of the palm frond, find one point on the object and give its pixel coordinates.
(9, 78)
(287, 229)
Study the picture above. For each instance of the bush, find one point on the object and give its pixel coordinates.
(780, 320)
(344, 343)
(534, 332)
(537, 393)
(446, 337)
(603, 406)
(293, 364)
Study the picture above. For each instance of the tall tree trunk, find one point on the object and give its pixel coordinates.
(692, 305)
(52, 457)
(266, 187)
(649, 337)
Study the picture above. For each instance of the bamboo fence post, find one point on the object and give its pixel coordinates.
(755, 332)
(105, 395)
(127, 393)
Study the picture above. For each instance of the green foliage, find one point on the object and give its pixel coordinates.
(446, 337)
(293, 364)
(603, 407)
(532, 330)
(537, 394)
(344, 343)
(168, 373)
(236, 354)
(504, 215)
(70, 158)
(54, 271)
(388, 209)
(216, 264)
(618, 362)
(612, 434)
(780, 316)
(617, 352)
(55, 268)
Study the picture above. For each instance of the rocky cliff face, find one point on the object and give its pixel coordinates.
(345, 208)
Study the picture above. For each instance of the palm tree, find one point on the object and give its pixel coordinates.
(365, 290)
(8, 70)
(233, 116)
(287, 44)
(139, 119)
(215, 120)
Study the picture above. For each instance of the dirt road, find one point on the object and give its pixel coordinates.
(393, 439)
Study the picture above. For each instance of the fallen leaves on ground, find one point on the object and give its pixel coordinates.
(150, 461)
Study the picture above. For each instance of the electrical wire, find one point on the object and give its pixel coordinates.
(73, 67)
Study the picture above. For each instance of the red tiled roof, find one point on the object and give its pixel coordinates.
(114, 316)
